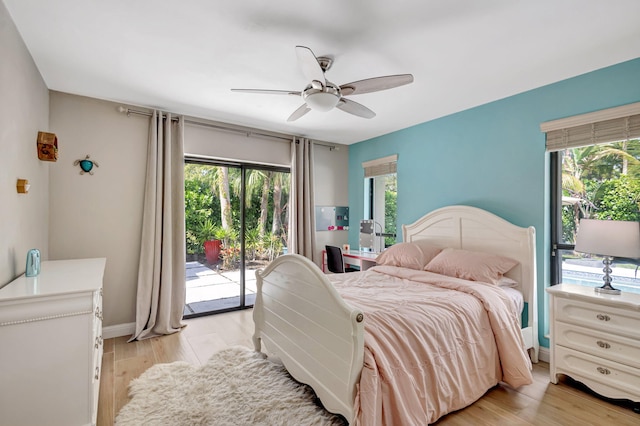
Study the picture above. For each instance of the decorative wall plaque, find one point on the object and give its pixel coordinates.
(47, 146)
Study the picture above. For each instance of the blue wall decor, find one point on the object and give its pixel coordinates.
(86, 165)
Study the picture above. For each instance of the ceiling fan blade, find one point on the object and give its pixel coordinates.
(268, 92)
(299, 112)
(355, 108)
(309, 65)
(375, 84)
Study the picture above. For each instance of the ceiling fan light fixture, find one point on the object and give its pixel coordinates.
(322, 101)
(323, 95)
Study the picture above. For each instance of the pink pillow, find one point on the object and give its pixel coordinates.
(407, 255)
(470, 265)
(428, 251)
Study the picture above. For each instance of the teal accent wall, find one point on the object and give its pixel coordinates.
(492, 157)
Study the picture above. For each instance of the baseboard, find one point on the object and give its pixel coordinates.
(543, 354)
(118, 330)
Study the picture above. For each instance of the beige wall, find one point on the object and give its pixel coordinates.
(101, 215)
(331, 181)
(24, 110)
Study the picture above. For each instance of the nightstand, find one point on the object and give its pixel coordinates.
(595, 339)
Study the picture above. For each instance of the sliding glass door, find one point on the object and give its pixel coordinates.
(228, 240)
(266, 223)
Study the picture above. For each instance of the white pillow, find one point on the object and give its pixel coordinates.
(507, 282)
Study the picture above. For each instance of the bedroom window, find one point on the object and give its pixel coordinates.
(595, 173)
(380, 194)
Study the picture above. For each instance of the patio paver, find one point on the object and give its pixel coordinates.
(205, 284)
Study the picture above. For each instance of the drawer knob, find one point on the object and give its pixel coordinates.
(603, 317)
(603, 370)
(603, 345)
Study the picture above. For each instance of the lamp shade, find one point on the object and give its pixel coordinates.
(614, 238)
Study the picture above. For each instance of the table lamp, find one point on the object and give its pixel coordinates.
(608, 238)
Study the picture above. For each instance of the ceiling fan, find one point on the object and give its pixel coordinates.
(323, 95)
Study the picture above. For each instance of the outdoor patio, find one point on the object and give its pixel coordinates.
(209, 289)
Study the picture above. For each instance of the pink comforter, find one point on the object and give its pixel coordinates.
(433, 344)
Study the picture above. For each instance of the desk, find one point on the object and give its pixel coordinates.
(362, 259)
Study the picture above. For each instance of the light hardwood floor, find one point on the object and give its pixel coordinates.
(540, 403)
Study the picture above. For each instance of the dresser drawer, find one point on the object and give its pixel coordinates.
(598, 317)
(598, 343)
(43, 308)
(605, 377)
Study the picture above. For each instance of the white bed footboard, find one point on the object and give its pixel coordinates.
(318, 337)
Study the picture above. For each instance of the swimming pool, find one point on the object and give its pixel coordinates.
(631, 288)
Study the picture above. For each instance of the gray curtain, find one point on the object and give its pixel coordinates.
(302, 224)
(161, 273)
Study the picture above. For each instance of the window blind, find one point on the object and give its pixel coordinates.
(611, 125)
(380, 166)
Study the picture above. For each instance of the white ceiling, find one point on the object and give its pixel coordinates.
(183, 56)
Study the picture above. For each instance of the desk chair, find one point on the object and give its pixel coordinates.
(335, 261)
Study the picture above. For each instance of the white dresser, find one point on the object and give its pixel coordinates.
(595, 339)
(51, 345)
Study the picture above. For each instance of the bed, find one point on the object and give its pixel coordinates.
(306, 321)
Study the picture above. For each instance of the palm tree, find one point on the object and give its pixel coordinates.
(276, 224)
(264, 204)
(595, 162)
(281, 185)
(598, 161)
(258, 179)
(267, 180)
(221, 187)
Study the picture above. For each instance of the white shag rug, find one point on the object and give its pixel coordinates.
(237, 386)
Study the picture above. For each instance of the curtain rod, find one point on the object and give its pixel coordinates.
(248, 133)
(331, 147)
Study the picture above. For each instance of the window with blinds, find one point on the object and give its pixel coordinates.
(595, 174)
(380, 166)
(615, 124)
